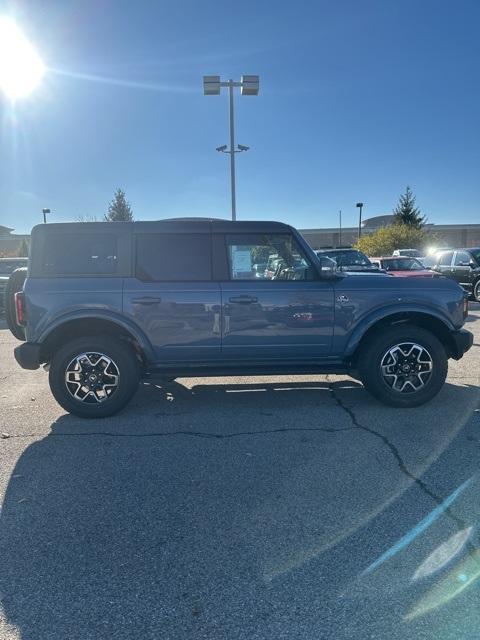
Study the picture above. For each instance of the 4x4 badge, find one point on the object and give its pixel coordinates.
(342, 298)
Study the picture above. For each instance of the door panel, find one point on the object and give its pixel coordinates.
(173, 298)
(277, 320)
(272, 306)
(181, 320)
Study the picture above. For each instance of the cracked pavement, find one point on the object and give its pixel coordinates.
(234, 508)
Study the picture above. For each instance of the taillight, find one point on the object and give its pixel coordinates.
(20, 308)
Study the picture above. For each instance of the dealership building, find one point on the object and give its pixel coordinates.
(443, 235)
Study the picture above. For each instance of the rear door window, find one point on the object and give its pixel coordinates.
(79, 254)
(170, 257)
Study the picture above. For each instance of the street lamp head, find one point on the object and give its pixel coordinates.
(242, 147)
(359, 204)
(21, 69)
(211, 85)
(222, 148)
(45, 210)
(250, 85)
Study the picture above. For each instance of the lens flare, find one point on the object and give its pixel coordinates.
(21, 69)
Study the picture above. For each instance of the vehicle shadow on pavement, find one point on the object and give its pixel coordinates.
(149, 537)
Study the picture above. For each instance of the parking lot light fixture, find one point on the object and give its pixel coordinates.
(45, 211)
(249, 86)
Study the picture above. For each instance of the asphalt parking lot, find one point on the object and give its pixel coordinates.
(241, 508)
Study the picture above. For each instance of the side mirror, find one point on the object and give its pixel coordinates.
(473, 264)
(328, 268)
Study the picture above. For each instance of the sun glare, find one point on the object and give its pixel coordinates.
(21, 69)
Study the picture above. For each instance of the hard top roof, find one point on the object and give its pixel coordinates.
(180, 225)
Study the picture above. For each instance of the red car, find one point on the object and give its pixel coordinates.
(404, 266)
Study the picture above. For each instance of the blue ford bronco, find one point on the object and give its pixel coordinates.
(104, 304)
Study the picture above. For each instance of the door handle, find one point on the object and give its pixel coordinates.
(146, 300)
(243, 299)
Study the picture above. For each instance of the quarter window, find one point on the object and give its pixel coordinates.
(265, 257)
(174, 257)
(80, 254)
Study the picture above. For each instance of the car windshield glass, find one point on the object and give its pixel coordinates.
(413, 253)
(403, 264)
(348, 258)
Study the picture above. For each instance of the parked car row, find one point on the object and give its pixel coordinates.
(461, 265)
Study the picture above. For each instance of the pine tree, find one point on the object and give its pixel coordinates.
(406, 212)
(23, 249)
(119, 208)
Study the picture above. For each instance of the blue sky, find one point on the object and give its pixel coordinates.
(357, 100)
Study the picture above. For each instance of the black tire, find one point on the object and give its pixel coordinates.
(476, 291)
(376, 351)
(14, 284)
(125, 363)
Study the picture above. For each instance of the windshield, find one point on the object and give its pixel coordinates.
(348, 258)
(414, 253)
(403, 264)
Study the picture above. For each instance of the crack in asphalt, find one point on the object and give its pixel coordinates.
(398, 458)
(196, 434)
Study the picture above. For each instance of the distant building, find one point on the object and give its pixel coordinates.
(10, 242)
(446, 235)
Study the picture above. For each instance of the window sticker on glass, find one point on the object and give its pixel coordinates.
(241, 261)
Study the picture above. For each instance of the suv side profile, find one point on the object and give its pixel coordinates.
(105, 303)
(463, 266)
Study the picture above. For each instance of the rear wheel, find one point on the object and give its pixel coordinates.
(94, 377)
(14, 284)
(403, 366)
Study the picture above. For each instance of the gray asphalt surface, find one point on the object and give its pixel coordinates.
(241, 508)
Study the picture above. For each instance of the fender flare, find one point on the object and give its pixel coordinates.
(125, 324)
(383, 313)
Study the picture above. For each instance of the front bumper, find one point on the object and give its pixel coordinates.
(28, 355)
(462, 340)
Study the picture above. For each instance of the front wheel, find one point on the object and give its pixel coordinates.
(94, 377)
(403, 366)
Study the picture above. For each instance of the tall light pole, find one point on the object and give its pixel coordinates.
(360, 206)
(249, 86)
(45, 211)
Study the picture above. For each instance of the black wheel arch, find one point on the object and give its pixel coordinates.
(75, 327)
(420, 319)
